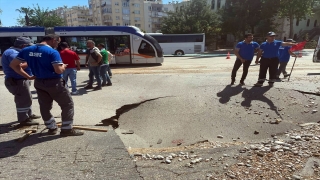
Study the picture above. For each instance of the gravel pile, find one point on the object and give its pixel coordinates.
(294, 155)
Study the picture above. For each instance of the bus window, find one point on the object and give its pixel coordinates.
(77, 44)
(97, 40)
(121, 45)
(6, 43)
(198, 38)
(146, 49)
(178, 39)
(162, 39)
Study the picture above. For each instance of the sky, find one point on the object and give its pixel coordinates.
(9, 13)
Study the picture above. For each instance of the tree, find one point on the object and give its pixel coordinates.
(0, 19)
(295, 9)
(316, 9)
(27, 12)
(233, 17)
(41, 17)
(255, 16)
(193, 17)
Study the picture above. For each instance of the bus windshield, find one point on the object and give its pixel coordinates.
(155, 43)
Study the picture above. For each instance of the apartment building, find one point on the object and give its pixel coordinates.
(309, 26)
(60, 12)
(78, 16)
(74, 16)
(117, 12)
(154, 10)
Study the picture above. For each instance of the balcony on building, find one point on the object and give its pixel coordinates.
(126, 21)
(82, 19)
(106, 3)
(107, 23)
(106, 11)
(157, 14)
(156, 7)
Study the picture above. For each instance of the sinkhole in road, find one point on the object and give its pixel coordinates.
(169, 122)
(113, 121)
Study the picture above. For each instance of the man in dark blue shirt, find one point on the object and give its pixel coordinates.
(18, 85)
(284, 57)
(47, 66)
(244, 51)
(269, 53)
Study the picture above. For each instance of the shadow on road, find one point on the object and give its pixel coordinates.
(228, 92)
(213, 56)
(249, 95)
(13, 147)
(7, 127)
(124, 66)
(258, 94)
(313, 74)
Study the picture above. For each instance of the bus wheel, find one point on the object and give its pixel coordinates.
(179, 53)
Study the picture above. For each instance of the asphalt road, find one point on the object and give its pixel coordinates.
(191, 100)
(184, 101)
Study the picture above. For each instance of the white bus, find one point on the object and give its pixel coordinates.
(316, 54)
(127, 43)
(180, 44)
(9, 34)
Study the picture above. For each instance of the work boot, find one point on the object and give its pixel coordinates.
(33, 116)
(97, 88)
(52, 131)
(286, 75)
(29, 122)
(70, 132)
(258, 84)
(88, 87)
(108, 84)
(233, 81)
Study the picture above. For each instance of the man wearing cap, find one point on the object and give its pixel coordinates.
(244, 52)
(269, 53)
(284, 57)
(46, 64)
(18, 85)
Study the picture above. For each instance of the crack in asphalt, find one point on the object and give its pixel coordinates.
(113, 121)
(76, 155)
(136, 168)
(305, 92)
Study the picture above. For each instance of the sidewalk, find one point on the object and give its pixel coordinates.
(95, 155)
(220, 51)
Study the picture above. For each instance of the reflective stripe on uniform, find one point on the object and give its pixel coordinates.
(23, 109)
(50, 124)
(66, 125)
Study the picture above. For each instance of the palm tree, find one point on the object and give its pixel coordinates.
(28, 12)
(0, 19)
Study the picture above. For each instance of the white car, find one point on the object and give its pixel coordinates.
(316, 54)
